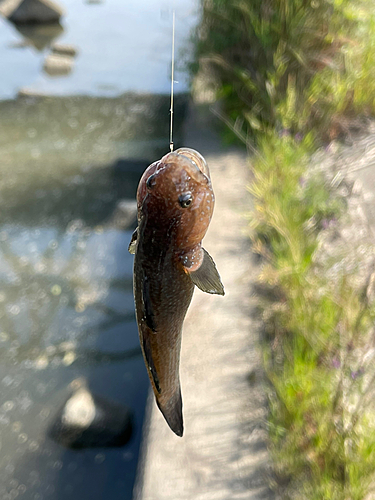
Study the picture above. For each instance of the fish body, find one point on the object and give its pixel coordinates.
(175, 203)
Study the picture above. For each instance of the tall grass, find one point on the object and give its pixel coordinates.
(316, 335)
(291, 74)
(290, 64)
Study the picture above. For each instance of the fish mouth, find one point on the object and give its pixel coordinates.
(194, 162)
(196, 158)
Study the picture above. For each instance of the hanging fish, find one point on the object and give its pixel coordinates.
(175, 203)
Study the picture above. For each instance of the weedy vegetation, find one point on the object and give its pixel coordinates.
(290, 76)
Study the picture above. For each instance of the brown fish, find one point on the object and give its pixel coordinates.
(175, 204)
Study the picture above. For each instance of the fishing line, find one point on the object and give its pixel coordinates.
(172, 82)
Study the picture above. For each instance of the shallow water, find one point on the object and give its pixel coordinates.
(72, 149)
(121, 47)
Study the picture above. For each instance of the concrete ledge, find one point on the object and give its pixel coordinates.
(223, 454)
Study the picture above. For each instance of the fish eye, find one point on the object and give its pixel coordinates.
(150, 183)
(185, 200)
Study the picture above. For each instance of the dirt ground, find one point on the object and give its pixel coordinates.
(223, 453)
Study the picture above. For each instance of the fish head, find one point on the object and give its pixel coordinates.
(177, 191)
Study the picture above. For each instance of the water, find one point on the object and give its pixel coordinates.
(121, 47)
(72, 149)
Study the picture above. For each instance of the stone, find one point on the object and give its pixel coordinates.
(57, 65)
(64, 49)
(31, 11)
(40, 36)
(86, 420)
(30, 93)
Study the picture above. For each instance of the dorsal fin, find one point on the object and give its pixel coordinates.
(207, 277)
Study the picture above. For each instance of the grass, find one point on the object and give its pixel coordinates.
(291, 75)
(293, 65)
(312, 327)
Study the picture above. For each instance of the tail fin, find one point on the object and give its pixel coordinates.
(172, 412)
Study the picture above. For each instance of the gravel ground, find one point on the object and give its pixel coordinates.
(223, 453)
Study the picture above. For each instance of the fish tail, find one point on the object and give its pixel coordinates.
(172, 412)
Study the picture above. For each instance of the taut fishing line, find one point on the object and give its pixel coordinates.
(172, 82)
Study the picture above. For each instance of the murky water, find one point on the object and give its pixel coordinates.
(72, 149)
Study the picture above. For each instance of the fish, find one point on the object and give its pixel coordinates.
(175, 202)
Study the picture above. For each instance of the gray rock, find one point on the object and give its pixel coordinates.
(64, 49)
(31, 11)
(25, 93)
(89, 421)
(40, 36)
(57, 65)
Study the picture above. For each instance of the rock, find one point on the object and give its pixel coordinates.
(31, 11)
(64, 49)
(40, 35)
(25, 92)
(89, 421)
(57, 65)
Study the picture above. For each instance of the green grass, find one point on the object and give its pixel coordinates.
(308, 330)
(290, 64)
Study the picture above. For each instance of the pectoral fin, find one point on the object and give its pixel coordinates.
(133, 242)
(207, 277)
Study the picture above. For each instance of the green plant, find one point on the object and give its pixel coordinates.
(288, 64)
(314, 330)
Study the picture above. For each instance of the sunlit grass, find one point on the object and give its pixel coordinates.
(312, 330)
(290, 64)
